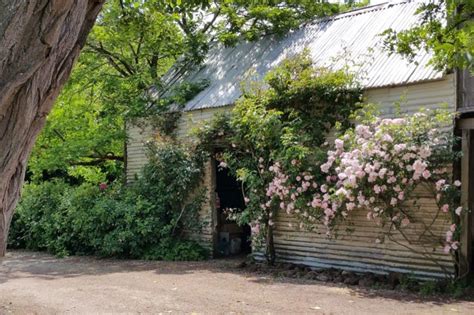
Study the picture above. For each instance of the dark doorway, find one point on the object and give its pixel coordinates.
(232, 239)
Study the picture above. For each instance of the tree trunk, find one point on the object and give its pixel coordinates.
(39, 42)
(271, 256)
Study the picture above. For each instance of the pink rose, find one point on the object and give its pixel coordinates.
(440, 184)
(103, 186)
(447, 249)
(449, 236)
(445, 208)
(350, 206)
(401, 195)
(426, 174)
(405, 222)
(323, 188)
(452, 227)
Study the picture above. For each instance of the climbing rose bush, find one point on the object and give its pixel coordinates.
(283, 118)
(377, 166)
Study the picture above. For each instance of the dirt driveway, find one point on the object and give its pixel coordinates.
(35, 283)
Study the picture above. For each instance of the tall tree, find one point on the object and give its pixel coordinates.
(39, 42)
(129, 49)
(132, 45)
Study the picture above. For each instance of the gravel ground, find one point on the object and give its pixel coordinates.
(37, 283)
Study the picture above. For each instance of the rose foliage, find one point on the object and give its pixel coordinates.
(380, 167)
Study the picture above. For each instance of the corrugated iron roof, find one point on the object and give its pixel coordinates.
(332, 42)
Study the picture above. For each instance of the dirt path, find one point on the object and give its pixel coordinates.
(34, 283)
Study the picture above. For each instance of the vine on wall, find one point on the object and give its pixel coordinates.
(274, 142)
(282, 119)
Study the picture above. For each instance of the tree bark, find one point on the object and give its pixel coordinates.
(39, 43)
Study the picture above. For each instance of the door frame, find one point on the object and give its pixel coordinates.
(466, 127)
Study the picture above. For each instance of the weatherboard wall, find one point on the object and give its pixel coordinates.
(361, 250)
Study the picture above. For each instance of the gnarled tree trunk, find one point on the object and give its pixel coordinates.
(39, 42)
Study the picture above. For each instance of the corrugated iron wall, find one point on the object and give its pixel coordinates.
(136, 158)
(139, 134)
(355, 251)
(358, 251)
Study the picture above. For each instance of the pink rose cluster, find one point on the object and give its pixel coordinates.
(375, 167)
(289, 192)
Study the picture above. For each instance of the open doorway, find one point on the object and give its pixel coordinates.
(232, 239)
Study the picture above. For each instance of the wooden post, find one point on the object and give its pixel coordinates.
(467, 196)
(211, 168)
(464, 261)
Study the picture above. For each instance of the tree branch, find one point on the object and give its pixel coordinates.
(110, 59)
(113, 59)
(97, 160)
(211, 22)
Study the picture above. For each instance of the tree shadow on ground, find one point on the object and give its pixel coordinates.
(24, 264)
(398, 294)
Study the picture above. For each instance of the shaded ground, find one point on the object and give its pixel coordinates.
(36, 283)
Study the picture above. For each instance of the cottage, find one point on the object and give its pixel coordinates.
(387, 79)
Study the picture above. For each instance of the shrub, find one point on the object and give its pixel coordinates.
(146, 220)
(35, 223)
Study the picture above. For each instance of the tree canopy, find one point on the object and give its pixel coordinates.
(446, 29)
(129, 50)
(135, 42)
